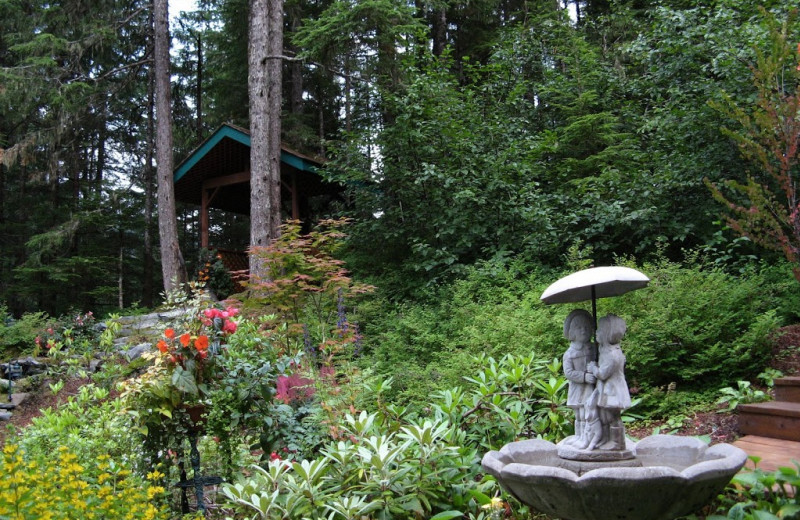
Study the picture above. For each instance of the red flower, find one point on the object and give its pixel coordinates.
(185, 339)
(229, 327)
(201, 343)
(274, 456)
(169, 333)
(162, 345)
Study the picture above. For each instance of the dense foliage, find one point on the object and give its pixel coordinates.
(695, 326)
(463, 133)
(487, 149)
(306, 415)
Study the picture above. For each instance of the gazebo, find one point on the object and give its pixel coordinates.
(217, 175)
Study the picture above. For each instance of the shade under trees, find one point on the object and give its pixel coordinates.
(463, 132)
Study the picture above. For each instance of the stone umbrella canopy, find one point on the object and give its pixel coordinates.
(594, 283)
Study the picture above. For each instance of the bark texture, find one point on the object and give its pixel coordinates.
(264, 86)
(172, 265)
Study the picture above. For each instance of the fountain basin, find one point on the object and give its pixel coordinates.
(672, 476)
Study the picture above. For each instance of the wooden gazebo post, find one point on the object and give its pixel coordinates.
(206, 198)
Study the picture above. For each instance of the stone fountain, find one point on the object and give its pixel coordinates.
(599, 474)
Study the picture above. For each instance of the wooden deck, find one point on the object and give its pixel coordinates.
(773, 452)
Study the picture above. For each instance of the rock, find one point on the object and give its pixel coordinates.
(171, 315)
(4, 384)
(5, 416)
(137, 351)
(31, 367)
(95, 364)
(18, 399)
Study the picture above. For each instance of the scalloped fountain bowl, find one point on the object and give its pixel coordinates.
(673, 476)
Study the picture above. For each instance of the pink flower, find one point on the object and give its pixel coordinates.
(229, 327)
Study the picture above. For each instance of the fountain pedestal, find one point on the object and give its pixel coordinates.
(669, 477)
(566, 450)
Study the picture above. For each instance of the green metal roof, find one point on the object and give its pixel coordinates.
(243, 137)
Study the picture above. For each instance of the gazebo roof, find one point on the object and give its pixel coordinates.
(226, 152)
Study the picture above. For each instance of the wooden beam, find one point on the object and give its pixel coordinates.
(295, 201)
(227, 180)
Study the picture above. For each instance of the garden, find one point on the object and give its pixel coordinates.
(313, 395)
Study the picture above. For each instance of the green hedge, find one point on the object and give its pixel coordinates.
(696, 325)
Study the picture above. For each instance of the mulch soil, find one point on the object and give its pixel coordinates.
(39, 399)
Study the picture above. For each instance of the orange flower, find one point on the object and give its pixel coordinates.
(162, 345)
(185, 339)
(169, 333)
(201, 343)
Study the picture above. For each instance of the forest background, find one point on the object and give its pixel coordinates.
(498, 136)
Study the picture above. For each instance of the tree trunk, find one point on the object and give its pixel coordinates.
(199, 88)
(121, 279)
(172, 265)
(296, 72)
(264, 85)
(2, 193)
(439, 31)
(149, 270)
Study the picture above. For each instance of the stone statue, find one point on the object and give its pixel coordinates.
(592, 433)
(612, 389)
(578, 329)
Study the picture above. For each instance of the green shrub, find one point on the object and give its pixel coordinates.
(62, 485)
(391, 463)
(762, 495)
(213, 272)
(696, 326)
(88, 423)
(17, 336)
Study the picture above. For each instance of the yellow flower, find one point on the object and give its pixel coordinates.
(154, 491)
(154, 475)
(496, 503)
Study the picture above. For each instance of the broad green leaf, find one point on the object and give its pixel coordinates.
(447, 515)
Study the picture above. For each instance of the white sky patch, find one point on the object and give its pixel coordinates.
(175, 8)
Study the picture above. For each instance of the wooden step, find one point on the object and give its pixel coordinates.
(774, 453)
(787, 389)
(776, 419)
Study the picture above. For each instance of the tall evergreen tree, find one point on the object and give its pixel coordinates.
(265, 91)
(172, 264)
